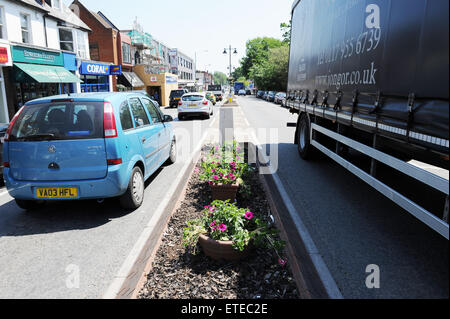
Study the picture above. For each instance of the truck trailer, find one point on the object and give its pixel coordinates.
(372, 78)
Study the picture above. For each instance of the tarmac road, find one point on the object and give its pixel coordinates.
(351, 224)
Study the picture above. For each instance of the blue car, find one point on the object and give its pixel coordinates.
(86, 146)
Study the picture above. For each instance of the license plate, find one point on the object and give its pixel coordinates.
(67, 192)
(192, 105)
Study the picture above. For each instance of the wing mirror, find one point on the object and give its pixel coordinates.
(167, 118)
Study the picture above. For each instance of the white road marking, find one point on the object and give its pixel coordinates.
(3, 193)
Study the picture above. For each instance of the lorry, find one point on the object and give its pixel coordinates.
(370, 80)
(238, 86)
(217, 91)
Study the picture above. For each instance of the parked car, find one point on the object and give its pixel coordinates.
(266, 93)
(271, 96)
(175, 97)
(260, 94)
(242, 92)
(195, 104)
(279, 98)
(248, 92)
(94, 146)
(3, 128)
(211, 97)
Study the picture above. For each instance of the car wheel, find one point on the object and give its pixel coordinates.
(173, 152)
(134, 195)
(30, 204)
(180, 117)
(207, 116)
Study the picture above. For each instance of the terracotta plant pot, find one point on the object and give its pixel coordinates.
(222, 250)
(224, 192)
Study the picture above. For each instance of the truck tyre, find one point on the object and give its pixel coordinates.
(305, 149)
(30, 204)
(134, 196)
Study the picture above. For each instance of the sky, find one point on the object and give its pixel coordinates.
(196, 26)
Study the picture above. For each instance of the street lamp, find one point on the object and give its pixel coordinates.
(229, 51)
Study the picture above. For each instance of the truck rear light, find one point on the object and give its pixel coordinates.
(11, 124)
(116, 161)
(109, 121)
(6, 164)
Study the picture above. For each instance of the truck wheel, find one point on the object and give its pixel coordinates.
(305, 149)
(30, 204)
(134, 196)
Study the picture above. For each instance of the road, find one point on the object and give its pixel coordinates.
(74, 249)
(351, 224)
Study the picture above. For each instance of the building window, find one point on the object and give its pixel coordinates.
(25, 26)
(2, 27)
(66, 40)
(95, 54)
(126, 52)
(81, 45)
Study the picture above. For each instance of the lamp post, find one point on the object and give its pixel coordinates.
(229, 51)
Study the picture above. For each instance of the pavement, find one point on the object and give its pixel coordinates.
(76, 249)
(352, 225)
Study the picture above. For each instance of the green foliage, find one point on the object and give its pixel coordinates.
(273, 73)
(226, 222)
(225, 165)
(220, 78)
(286, 31)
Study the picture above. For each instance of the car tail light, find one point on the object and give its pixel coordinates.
(116, 161)
(180, 103)
(11, 124)
(205, 102)
(109, 121)
(6, 164)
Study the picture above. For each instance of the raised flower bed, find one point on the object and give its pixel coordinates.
(176, 273)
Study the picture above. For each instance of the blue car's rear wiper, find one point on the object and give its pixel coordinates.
(38, 137)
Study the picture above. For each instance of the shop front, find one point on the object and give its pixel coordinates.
(5, 62)
(36, 73)
(97, 77)
(158, 86)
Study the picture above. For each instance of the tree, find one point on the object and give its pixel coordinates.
(257, 52)
(220, 78)
(273, 73)
(286, 31)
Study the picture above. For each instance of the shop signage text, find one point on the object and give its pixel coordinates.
(29, 55)
(99, 69)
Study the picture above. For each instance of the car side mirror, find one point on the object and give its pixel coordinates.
(167, 118)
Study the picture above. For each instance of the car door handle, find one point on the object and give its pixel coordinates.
(143, 140)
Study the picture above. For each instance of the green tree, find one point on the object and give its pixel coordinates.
(257, 52)
(272, 74)
(220, 78)
(286, 31)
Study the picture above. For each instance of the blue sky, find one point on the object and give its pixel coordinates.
(199, 25)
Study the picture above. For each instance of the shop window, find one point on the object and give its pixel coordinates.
(66, 40)
(25, 26)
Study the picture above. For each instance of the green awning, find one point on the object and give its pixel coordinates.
(47, 73)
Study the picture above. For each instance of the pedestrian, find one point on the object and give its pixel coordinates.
(156, 97)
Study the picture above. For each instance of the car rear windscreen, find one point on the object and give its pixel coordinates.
(193, 98)
(59, 121)
(177, 93)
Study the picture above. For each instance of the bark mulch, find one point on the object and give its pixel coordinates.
(176, 274)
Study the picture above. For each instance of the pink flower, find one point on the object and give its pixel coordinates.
(221, 175)
(212, 224)
(197, 170)
(222, 228)
(213, 170)
(207, 207)
(216, 177)
(238, 158)
(248, 215)
(204, 159)
(282, 261)
(233, 163)
(212, 209)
